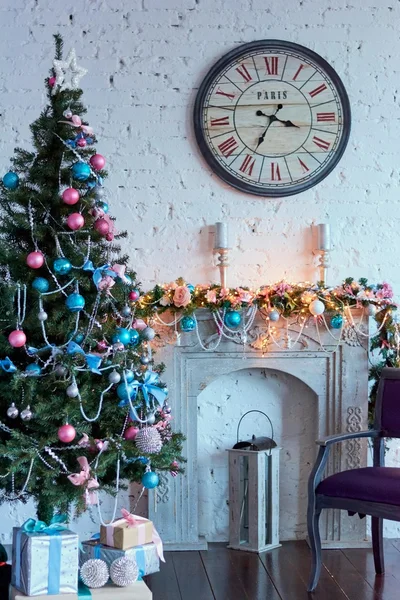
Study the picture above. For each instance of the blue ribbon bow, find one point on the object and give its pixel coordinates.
(88, 266)
(7, 365)
(148, 388)
(92, 360)
(57, 524)
(103, 271)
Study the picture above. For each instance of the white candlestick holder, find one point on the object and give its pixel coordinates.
(223, 264)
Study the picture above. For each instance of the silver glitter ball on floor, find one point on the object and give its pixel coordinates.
(43, 316)
(148, 334)
(72, 390)
(94, 573)
(12, 411)
(124, 571)
(26, 414)
(148, 440)
(114, 377)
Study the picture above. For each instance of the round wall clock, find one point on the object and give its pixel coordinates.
(272, 118)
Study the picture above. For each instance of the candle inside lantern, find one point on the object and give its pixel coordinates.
(324, 236)
(221, 235)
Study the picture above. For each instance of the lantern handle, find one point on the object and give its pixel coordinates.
(254, 411)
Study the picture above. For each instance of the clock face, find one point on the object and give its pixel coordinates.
(272, 118)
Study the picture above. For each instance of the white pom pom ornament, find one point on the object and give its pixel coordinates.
(148, 440)
(124, 571)
(94, 573)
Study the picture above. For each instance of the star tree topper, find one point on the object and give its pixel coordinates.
(68, 73)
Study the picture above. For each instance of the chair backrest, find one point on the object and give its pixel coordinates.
(387, 408)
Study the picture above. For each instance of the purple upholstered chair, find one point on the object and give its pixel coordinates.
(371, 491)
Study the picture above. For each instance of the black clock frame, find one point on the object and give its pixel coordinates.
(220, 65)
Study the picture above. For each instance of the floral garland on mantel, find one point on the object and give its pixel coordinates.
(301, 302)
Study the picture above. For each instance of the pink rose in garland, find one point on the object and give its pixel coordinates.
(245, 295)
(182, 296)
(211, 296)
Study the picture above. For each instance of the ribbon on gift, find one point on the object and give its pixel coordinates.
(84, 478)
(148, 388)
(93, 361)
(7, 365)
(83, 590)
(135, 521)
(32, 527)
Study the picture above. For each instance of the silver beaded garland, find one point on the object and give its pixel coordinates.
(42, 316)
(148, 440)
(72, 390)
(12, 411)
(114, 377)
(94, 573)
(124, 571)
(26, 414)
(148, 334)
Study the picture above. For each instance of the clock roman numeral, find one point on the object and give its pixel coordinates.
(275, 172)
(321, 143)
(228, 147)
(242, 70)
(271, 65)
(248, 165)
(227, 94)
(303, 165)
(220, 121)
(298, 72)
(326, 117)
(318, 90)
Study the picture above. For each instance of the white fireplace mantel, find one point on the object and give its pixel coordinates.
(336, 373)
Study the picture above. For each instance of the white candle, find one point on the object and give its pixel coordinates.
(324, 236)
(221, 235)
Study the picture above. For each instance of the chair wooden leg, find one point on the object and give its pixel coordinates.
(315, 543)
(377, 544)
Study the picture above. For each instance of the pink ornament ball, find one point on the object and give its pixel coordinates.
(17, 338)
(102, 226)
(70, 196)
(81, 142)
(134, 295)
(35, 260)
(131, 433)
(52, 82)
(98, 162)
(66, 433)
(109, 236)
(75, 221)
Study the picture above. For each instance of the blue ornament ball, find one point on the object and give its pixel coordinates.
(75, 302)
(337, 322)
(62, 266)
(80, 171)
(104, 207)
(188, 323)
(11, 180)
(233, 318)
(33, 370)
(79, 338)
(122, 335)
(150, 480)
(190, 287)
(130, 376)
(125, 391)
(40, 284)
(135, 337)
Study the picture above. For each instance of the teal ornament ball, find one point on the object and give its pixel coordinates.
(190, 287)
(232, 318)
(33, 370)
(188, 323)
(75, 302)
(122, 335)
(150, 480)
(11, 180)
(336, 321)
(104, 207)
(130, 376)
(62, 266)
(40, 284)
(124, 392)
(80, 171)
(135, 337)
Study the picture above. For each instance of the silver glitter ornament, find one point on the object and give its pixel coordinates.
(148, 440)
(148, 334)
(99, 192)
(67, 113)
(60, 370)
(114, 377)
(151, 419)
(124, 571)
(42, 316)
(26, 414)
(72, 390)
(144, 359)
(118, 347)
(94, 573)
(12, 411)
(126, 311)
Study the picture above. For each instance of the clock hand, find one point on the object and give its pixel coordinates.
(260, 113)
(272, 118)
(288, 123)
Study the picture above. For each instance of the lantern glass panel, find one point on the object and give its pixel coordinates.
(244, 496)
(268, 497)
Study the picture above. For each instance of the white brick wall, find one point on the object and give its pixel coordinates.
(157, 52)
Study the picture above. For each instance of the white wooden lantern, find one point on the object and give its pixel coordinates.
(254, 494)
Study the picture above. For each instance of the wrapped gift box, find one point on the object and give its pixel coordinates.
(146, 557)
(45, 563)
(136, 591)
(123, 535)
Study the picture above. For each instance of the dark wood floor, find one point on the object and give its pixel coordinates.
(221, 574)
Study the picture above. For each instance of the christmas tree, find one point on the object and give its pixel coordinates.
(82, 407)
